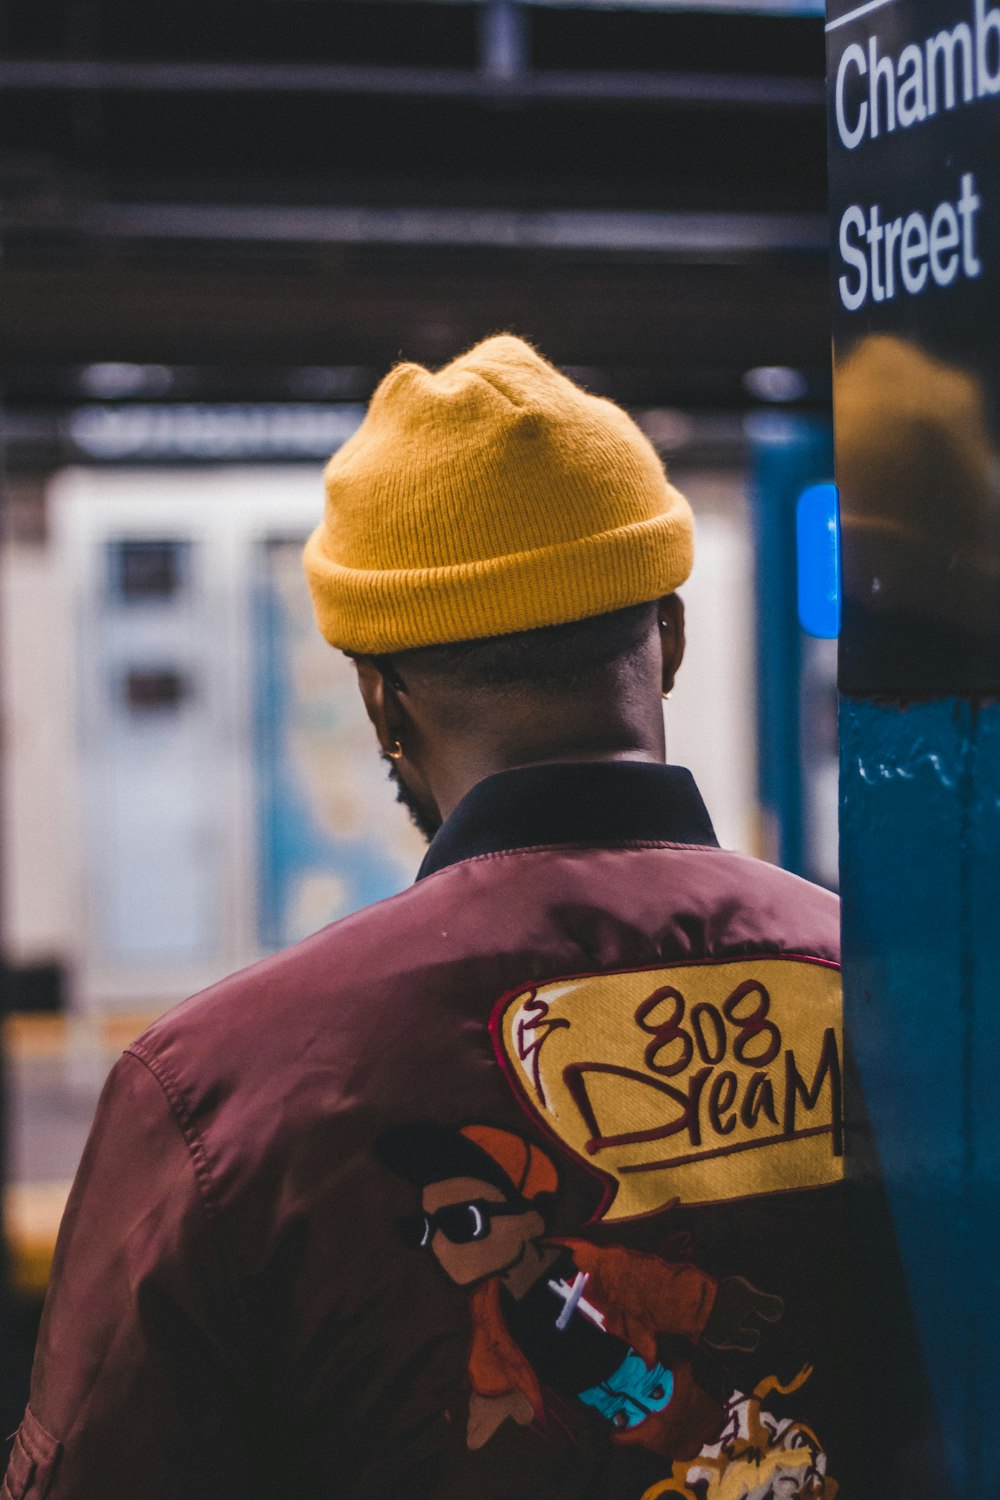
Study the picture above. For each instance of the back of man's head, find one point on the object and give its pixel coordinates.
(552, 658)
(499, 554)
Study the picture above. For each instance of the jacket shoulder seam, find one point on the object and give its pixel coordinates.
(195, 1145)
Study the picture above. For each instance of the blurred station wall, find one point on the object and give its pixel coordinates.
(189, 778)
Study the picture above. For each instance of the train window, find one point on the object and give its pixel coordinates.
(147, 571)
(150, 691)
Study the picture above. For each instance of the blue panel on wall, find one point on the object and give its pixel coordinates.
(331, 837)
(818, 536)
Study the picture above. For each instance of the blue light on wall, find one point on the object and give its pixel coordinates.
(790, 454)
(817, 528)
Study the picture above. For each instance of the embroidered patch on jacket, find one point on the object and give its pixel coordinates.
(701, 1082)
(565, 1323)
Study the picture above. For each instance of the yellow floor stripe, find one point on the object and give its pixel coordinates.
(29, 1036)
(33, 1210)
(32, 1214)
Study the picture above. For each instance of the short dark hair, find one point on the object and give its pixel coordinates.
(553, 656)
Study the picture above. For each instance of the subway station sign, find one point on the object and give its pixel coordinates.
(914, 128)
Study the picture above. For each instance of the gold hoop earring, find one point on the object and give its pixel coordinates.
(396, 753)
(665, 696)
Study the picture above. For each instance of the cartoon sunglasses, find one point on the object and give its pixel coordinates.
(461, 1223)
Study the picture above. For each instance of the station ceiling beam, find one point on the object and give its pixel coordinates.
(66, 75)
(702, 236)
(719, 7)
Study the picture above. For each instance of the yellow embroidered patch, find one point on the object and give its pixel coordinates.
(701, 1082)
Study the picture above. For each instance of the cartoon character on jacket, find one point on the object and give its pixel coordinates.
(563, 1315)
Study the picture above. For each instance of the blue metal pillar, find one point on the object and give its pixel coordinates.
(920, 876)
(917, 403)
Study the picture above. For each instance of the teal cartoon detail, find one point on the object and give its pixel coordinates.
(633, 1393)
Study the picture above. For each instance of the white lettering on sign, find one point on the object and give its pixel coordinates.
(876, 94)
(908, 253)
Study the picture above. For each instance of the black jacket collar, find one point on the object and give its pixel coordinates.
(574, 802)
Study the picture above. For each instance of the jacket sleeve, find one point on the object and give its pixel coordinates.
(138, 1387)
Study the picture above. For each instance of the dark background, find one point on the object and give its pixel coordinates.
(168, 175)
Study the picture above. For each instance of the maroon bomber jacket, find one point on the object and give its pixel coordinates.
(523, 1183)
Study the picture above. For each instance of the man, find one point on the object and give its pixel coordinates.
(579, 974)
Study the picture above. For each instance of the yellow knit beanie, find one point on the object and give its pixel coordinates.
(491, 496)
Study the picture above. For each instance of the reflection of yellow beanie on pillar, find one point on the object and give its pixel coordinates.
(491, 497)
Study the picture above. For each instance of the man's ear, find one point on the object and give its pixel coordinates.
(381, 702)
(671, 615)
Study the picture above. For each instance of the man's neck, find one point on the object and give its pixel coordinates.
(466, 775)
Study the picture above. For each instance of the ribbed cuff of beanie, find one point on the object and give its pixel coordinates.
(382, 610)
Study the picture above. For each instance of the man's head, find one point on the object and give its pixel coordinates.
(499, 556)
(484, 1193)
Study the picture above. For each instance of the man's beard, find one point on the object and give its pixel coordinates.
(427, 819)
